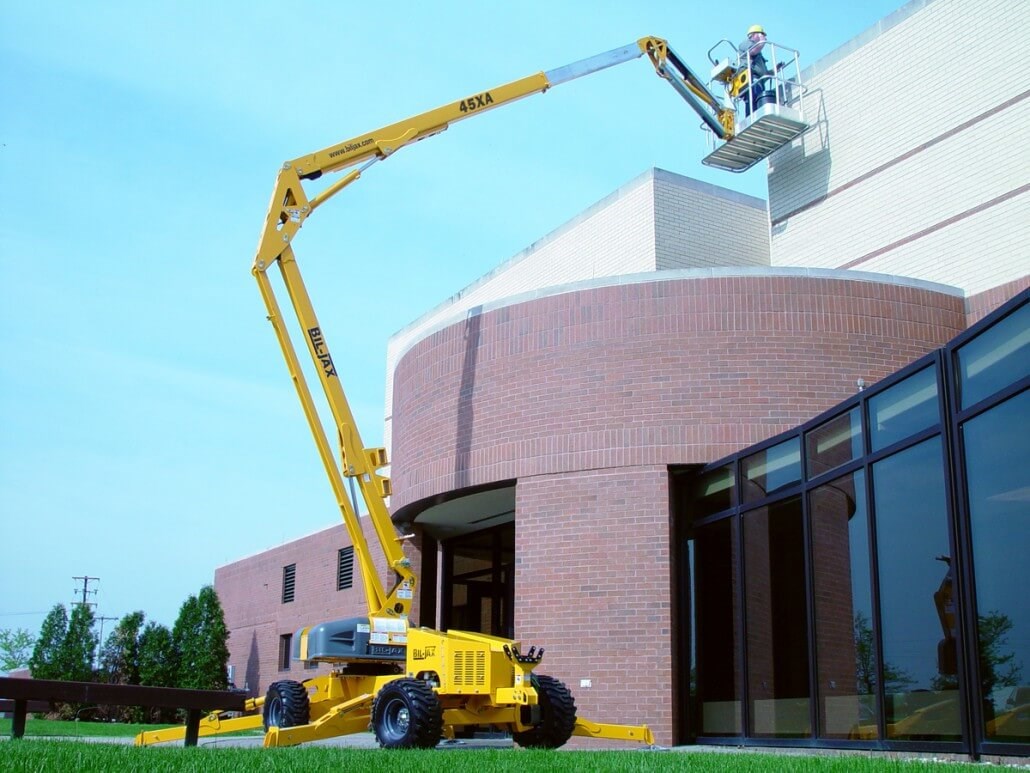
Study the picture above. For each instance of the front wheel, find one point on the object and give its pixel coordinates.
(557, 715)
(406, 714)
(286, 705)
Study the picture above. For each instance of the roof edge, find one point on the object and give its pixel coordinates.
(866, 36)
(668, 275)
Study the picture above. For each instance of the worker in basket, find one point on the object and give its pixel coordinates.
(761, 90)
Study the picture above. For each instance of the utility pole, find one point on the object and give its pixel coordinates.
(85, 589)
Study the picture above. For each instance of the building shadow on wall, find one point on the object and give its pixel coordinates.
(465, 413)
(252, 676)
(808, 158)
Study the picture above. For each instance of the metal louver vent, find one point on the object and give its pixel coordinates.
(289, 582)
(345, 569)
(470, 668)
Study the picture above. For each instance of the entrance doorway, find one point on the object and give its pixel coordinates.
(478, 583)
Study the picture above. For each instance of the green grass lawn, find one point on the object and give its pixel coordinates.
(46, 755)
(51, 727)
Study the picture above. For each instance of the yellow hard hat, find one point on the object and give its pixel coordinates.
(755, 28)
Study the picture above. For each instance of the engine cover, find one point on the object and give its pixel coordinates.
(344, 640)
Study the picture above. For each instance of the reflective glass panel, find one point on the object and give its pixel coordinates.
(712, 492)
(996, 358)
(908, 407)
(777, 620)
(771, 470)
(997, 462)
(834, 443)
(917, 597)
(845, 645)
(718, 639)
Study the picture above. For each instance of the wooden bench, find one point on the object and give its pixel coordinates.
(23, 692)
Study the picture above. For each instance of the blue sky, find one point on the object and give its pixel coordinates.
(148, 430)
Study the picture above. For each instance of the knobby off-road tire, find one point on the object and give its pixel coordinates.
(286, 705)
(406, 714)
(557, 715)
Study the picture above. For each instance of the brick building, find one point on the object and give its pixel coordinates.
(606, 446)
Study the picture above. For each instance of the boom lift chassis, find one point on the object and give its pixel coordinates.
(414, 686)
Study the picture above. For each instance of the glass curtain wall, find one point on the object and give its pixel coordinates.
(917, 599)
(999, 507)
(845, 645)
(992, 410)
(863, 579)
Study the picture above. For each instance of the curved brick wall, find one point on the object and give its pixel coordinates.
(660, 372)
(586, 397)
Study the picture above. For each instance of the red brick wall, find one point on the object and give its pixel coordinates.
(662, 372)
(593, 587)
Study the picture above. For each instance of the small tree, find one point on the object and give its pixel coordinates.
(45, 662)
(200, 637)
(158, 664)
(79, 646)
(15, 648)
(185, 634)
(65, 649)
(213, 650)
(119, 657)
(119, 663)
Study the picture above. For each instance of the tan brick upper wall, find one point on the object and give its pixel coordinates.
(916, 164)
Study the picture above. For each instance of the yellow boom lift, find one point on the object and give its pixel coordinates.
(412, 685)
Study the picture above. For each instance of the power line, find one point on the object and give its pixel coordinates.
(22, 614)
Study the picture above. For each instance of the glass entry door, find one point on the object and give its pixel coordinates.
(478, 588)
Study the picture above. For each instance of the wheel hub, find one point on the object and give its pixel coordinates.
(400, 718)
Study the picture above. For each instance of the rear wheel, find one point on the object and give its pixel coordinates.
(557, 715)
(406, 714)
(286, 705)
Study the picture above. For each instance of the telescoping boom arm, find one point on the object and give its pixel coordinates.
(290, 207)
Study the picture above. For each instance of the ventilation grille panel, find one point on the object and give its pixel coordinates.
(470, 668)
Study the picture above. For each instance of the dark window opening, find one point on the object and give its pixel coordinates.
(285, 645)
